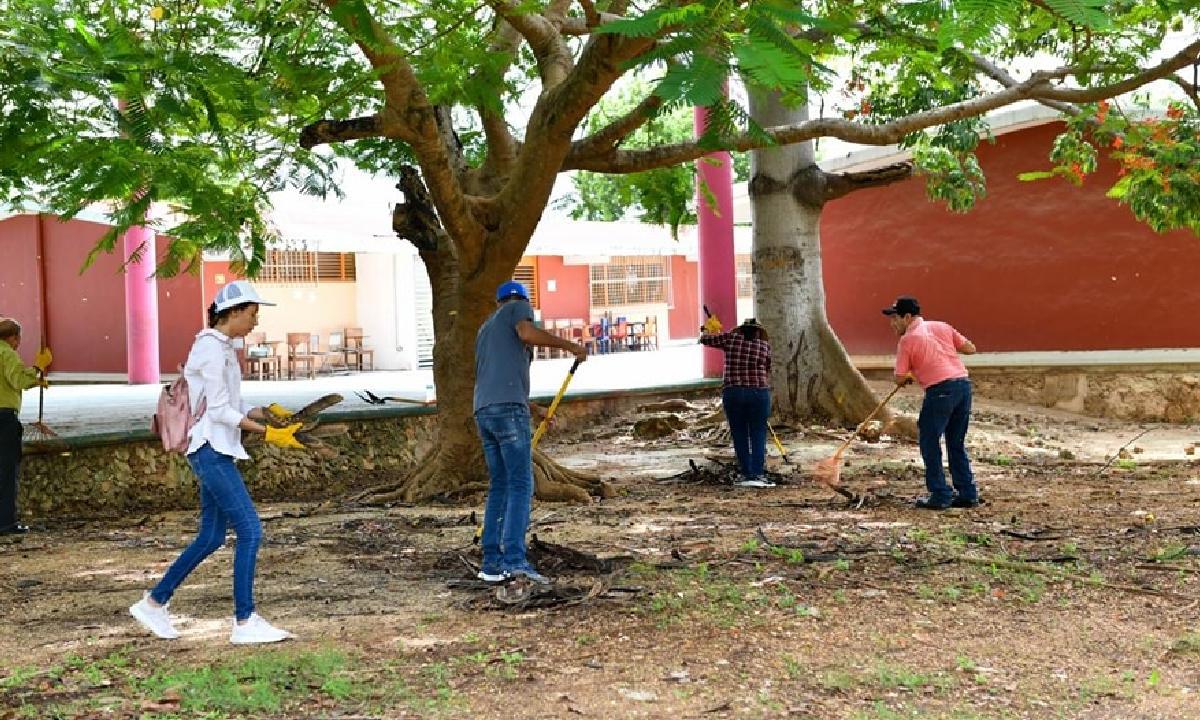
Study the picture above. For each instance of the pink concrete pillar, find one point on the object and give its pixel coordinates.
(141, 306)
(718, 268)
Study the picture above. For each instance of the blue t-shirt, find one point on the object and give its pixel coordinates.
(501, 359)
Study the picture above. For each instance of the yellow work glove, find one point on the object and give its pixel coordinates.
(279, 412)
(285, 437)
(712, 325)
(42, 360)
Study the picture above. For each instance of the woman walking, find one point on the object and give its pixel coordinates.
(745, 394)
(214, 377)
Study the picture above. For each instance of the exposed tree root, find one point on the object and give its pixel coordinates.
(451, 479)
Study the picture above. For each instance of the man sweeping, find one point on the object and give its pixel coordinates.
(502, 415)
(929, 351)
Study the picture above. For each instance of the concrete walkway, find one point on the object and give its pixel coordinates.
(77, 411)
(80, 411)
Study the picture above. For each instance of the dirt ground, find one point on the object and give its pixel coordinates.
(1071, 593)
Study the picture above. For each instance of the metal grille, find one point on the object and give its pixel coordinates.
(299, 267)
(745, 276)
(526, 274)
(630, 280)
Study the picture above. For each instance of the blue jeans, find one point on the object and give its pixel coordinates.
(947, 410)
(747, 410)
(224, 501)
(507, 448)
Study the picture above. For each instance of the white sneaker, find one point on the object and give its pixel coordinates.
(496, 577)
(756, 483)
(155, 619)
(256, 630)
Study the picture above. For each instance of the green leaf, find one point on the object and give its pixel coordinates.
(1035, 175)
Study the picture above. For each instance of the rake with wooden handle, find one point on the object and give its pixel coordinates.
(828, 471)
(39, 430)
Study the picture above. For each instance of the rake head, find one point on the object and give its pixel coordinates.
(829, 471)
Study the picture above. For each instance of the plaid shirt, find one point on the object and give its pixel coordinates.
(747, 362)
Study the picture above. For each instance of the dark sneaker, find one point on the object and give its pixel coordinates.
(14, 530)
(930, 503)
(530, 574)
(961, 502)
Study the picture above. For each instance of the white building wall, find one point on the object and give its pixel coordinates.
(386, 309)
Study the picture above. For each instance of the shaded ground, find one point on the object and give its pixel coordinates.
(1072, 593)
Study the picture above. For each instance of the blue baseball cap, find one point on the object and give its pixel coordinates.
(510, 289)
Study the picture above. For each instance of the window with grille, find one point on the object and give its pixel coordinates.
(745, 276)
(630, 280)
(307, 267)
(526, 274)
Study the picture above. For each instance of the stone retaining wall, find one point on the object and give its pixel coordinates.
(137, 476)
(1158, 394)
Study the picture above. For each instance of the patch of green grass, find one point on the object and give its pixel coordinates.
(264, 682)
(1170, 552)
(1004, 460)
(792, 556)
(1188, 644)
(793, 667)
(1126, 464)
(749, 546)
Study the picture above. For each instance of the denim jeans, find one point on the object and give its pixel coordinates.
(10, 466)
(224, 501)
(947, 410)
(747, 410)
(504, 430)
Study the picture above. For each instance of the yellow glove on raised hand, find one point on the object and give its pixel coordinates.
(279, 412)
(285, 437)
(712, 325)
(42, 360)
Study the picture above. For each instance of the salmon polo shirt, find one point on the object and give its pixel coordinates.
(929, 350)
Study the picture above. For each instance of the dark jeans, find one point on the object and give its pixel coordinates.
(947, 410)
(507, 447)
(10, 466)
(747, 410)
(224, 501)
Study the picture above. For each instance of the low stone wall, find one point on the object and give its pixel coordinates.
(132, 475)
(1158, 394)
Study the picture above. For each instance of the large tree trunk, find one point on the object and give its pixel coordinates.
(462, 300)
(811, 376)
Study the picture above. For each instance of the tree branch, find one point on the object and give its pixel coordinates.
(836, 185)
(1005, 79)
(327, 132)
(611, 135)
(418, 124)
(553, 56)
(1037, 87)
(1189, 89)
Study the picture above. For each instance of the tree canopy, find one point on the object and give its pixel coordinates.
(209, 106)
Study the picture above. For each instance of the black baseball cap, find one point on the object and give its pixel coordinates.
(904, 305)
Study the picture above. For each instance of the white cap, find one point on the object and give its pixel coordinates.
(236, 293)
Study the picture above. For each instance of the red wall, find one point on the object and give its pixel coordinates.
(86, 310)
(19, 280)
(1035, 266)
(684, 314)
(572, 295)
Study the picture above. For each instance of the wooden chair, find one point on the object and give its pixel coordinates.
(352, 343)
(300, 354)
(650, 333)
(337, 358)
(261, 358)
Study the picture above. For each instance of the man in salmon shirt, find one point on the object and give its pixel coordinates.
(929, 352)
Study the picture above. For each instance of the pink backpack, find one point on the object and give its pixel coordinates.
(173, 421)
